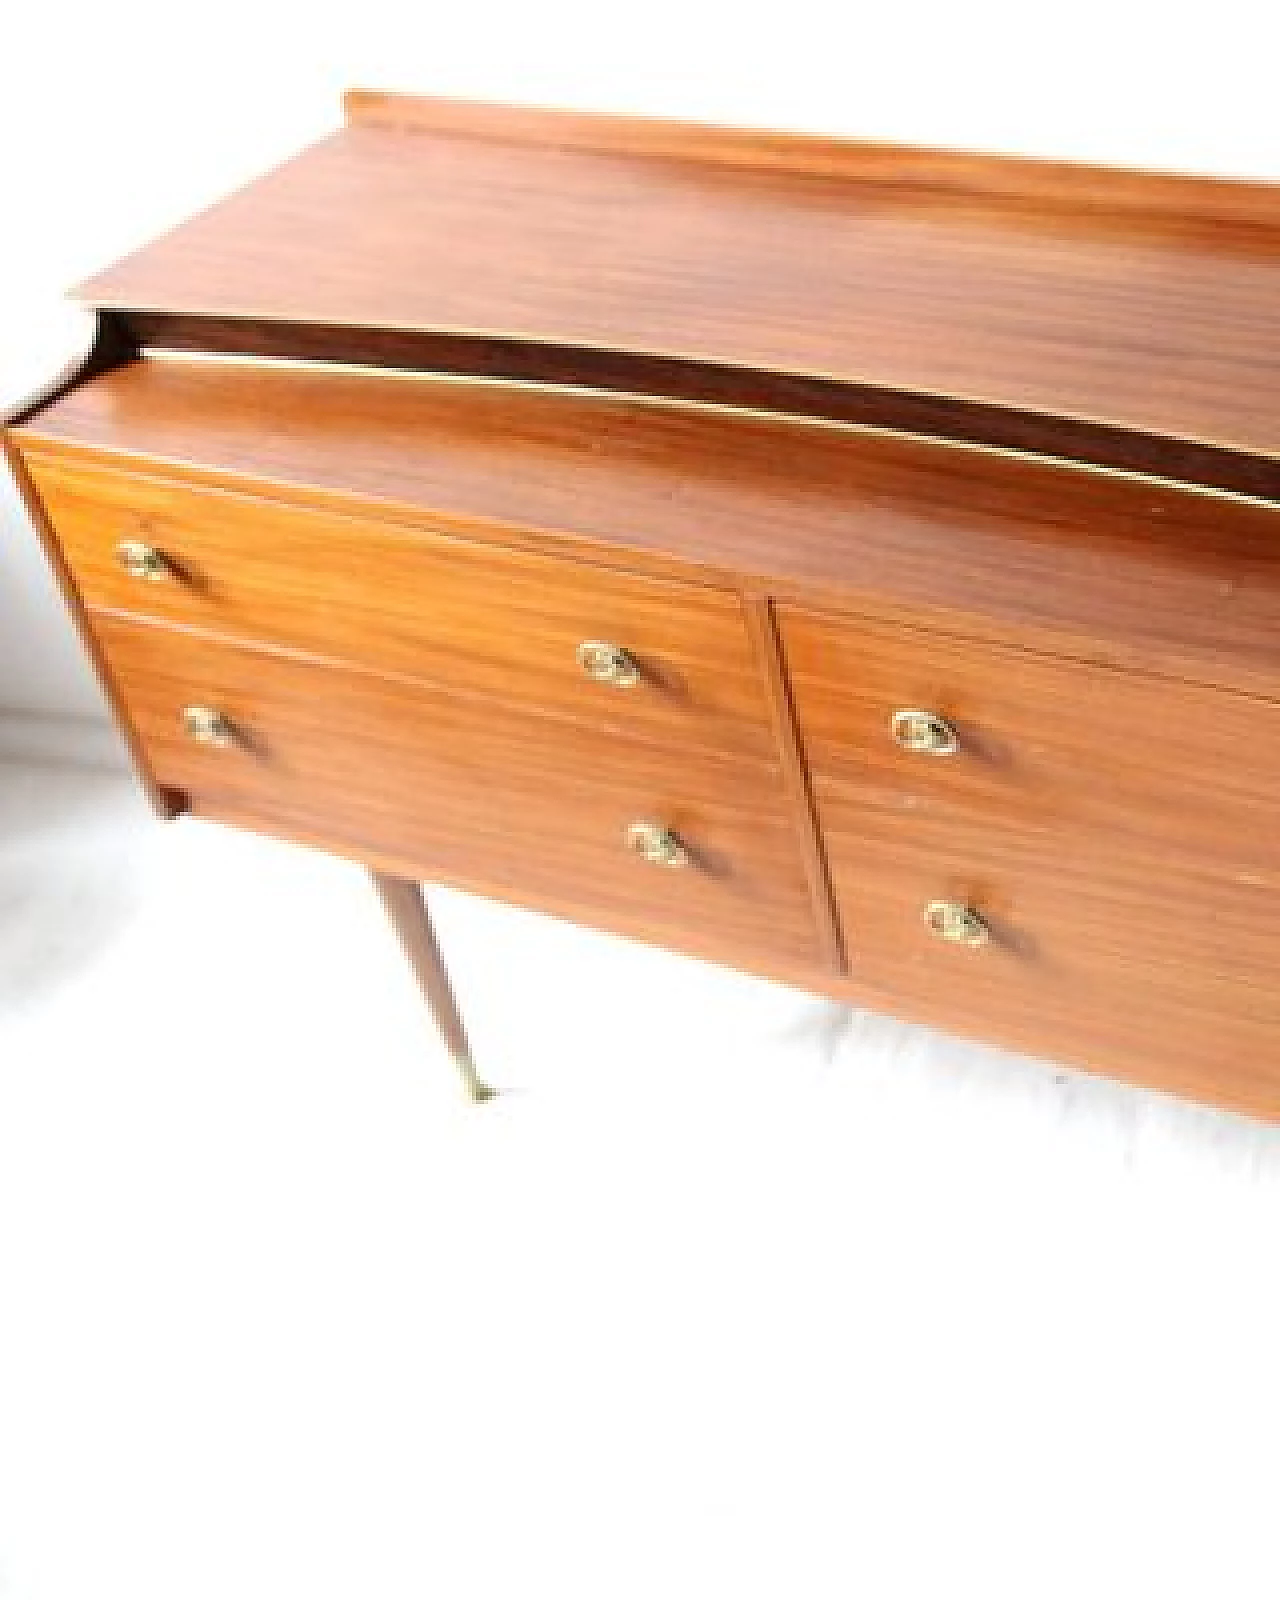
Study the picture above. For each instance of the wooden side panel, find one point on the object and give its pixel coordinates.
(1045, 185)
(165, 803)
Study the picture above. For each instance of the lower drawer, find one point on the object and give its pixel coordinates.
(458, 789)
(1086, 949)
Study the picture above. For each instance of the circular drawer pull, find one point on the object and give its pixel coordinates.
(956, 923)
(657, 844)
(206, 725)
(924, 733)
(608, 663)
(141, 560)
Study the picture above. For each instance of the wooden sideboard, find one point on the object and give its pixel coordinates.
(853, 564)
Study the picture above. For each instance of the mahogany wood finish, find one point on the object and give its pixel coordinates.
(704, 382)
(1048, 745)
(817, 432)
(1163, 970)
(1149, 304)
(479, 794)
(1142, 574)
(414, 603)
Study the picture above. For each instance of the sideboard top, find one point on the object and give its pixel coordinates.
(1143, 302)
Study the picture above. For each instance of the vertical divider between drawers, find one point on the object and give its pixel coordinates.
(763, 629)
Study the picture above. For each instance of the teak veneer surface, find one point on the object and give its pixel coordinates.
(1105, 916)
(820, 431)
(1146, 303)
(1102, 952)
(405, 601)
(475, 793)
(1145, 574)
(1058, 747)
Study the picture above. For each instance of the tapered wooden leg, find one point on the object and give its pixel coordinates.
(406, 906)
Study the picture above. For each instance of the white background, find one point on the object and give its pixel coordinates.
(733, 1296)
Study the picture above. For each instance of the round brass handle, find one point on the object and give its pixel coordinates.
(207, 725)
(657, 844)
(142, 560)
(956, 923)
(608, 663)
(923, 732)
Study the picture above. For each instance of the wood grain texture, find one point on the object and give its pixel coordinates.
(907, 411)
(795, 775)
(1040, 183)
(1103, 952)
(1218, 1057)
(1045, 745)
(380, 577)
(406, 601)
(1120, 570)
(1071, 298)
(470, 793)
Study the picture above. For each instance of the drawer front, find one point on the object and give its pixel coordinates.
(1094, 951)
(1040, 742)
(398, 600)
(464, 790)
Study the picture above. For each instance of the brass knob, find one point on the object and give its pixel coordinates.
(141, 560)
(956, 923)
(657, 844)
(206, 725)
(608, 663)
(924, 733)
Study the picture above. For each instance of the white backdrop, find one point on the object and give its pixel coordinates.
(117, 120)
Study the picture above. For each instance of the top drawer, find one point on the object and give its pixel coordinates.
(394, 598)
(1036, 741)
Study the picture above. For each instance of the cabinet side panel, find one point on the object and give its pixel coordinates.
(165, 803)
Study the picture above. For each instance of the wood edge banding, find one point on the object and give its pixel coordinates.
(166, 803)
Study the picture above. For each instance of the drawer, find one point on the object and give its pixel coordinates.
(1040, 742)
(400, 600)
(464, 790)
(1096, 952)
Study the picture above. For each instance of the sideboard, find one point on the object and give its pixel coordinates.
(854, 564)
